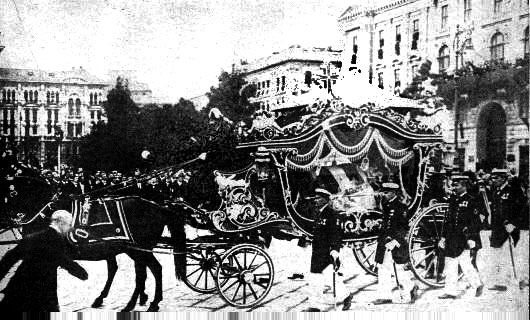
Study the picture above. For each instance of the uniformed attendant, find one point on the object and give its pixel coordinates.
(392, 249)
(505, 216)
(327, 237)
(461, 234)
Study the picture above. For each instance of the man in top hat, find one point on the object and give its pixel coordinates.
(392, 248)
(505, 217)
(327, 237)
(461, 234)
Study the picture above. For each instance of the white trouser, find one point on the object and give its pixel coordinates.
(319, 289)
(502, 269)
(385, 273)
(451, 272)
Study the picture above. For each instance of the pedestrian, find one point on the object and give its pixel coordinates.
(327, 237)
(506, 213)
(392, 250)
(460, 235)
(33, 287)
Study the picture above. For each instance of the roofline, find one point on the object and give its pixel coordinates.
(286, 61)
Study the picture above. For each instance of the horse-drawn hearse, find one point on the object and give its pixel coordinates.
(347, 148)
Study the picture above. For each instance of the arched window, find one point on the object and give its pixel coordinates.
(99, 99)
(95, 98)
(443, 58)
(77, 107)
(36, 96)
(47, 96)
(3, 95)
(70, 106)
(91, 99)
(525, 40)
(30, 96)
(497, 46)
(13, 99)
(308, 78)
(57, 97)
(26, 95)
(8, 96)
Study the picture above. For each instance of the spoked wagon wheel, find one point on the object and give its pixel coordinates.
(245, 275)
(364, 252)
(201, 268)
(425, 257)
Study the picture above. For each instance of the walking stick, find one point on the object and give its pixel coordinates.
(334, 285)
(521, 283)
(398, 285)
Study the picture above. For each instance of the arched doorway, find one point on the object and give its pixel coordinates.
(491, 137)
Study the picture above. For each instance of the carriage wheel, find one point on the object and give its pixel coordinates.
(425, 258)
(245, 275)
(201, 267)
(364, 252)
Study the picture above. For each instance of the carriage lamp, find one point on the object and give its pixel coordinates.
(262, 169)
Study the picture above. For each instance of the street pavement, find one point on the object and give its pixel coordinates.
(286, 295)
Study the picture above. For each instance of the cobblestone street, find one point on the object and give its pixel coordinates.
(286, 295)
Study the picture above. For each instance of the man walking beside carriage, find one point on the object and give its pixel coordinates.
(460, 235)
(392, 250)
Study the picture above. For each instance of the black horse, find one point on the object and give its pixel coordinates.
(30, 201)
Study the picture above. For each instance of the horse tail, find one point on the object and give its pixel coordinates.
(178, 236)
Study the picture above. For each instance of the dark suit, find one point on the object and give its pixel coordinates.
(327, 236)
(394, 227)
(506, 208)
(34, 285)
(462, 224)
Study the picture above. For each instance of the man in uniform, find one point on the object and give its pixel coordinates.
(327, 237)
(505, 217)
(392, 248)
(461, 234)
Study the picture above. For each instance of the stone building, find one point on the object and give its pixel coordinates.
(284, 75)
(35, 103)
(141, 94)
(391, 39)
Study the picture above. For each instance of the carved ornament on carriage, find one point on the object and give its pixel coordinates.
(241, 209)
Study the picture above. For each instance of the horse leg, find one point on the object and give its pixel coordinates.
(112, 268)
(156, 270)
(141, 276)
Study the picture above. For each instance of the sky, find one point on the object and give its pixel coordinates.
(177, 47)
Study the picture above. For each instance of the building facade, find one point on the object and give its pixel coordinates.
(36, 104)
(391, 39)
(284, 76)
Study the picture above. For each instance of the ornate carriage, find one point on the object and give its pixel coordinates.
(346, 150)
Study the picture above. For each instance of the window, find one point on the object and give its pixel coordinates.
(277, 84)
(381, 44)
(497, 47)
(56, 97)
(307, 78)
(525, 40)
(415, 34)
(414, 71)
(397, 47)
(77, 107)
(3, 95)
(70, 106)
(96, 99)
(13, 96)
(283, 83)
(35, 115)
(91, 99)
(355, 50)
(497, 6)
(30, 96)
(5, 123)
(78, 129)
(48, 97)
(380, 80)
(467, 10)
(397, 82)
(36, 96)
(443, 58)
(49, 126)
(444, 17)
(26, 95)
